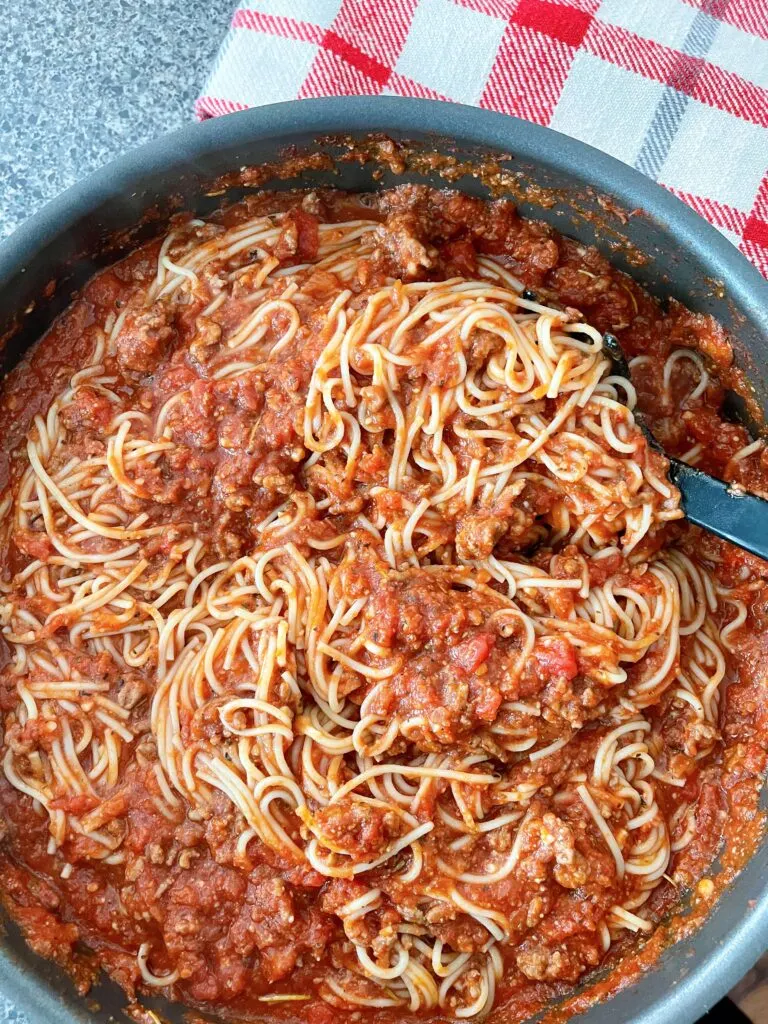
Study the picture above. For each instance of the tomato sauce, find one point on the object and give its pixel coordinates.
(237, 928)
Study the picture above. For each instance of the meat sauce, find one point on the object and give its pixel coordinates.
(232, 930)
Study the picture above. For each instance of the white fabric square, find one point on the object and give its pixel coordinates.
(664, 21)
(732, 237)
(317, 12)
(256, 69)
(451, 49)
(716, 155)
(597, 97)
(737, 51)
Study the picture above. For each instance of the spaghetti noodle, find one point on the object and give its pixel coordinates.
(348, 589)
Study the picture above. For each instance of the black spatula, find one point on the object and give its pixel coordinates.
(721, 508)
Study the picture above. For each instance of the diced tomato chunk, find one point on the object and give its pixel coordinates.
(556, 658)
(485, 702)
(471, 653)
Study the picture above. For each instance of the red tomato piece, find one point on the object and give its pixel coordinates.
(471, 653)
(557, 658)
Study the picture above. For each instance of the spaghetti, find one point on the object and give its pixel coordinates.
(348, 590)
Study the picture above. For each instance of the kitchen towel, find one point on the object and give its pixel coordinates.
(676, 88)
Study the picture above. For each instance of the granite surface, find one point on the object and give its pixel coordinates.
(85, 80)
(82, 82)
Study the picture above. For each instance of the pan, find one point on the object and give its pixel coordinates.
(583, 193)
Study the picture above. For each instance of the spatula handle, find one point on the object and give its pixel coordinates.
(721, 508)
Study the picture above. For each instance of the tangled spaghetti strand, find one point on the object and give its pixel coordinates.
(458, 449)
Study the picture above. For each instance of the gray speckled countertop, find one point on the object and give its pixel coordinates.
(83, 81)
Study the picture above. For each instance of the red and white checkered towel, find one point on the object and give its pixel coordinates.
(676, 88)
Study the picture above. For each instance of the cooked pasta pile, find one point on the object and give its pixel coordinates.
(439, 645)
